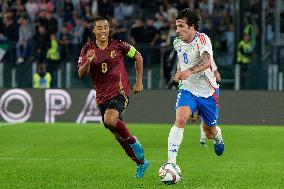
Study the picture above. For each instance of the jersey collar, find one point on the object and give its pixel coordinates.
(195, 36)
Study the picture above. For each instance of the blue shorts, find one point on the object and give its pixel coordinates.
(207, 108)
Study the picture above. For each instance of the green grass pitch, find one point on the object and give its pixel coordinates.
(35, 155)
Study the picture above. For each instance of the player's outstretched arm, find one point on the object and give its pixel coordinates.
(85, 69)
(138, 86)
(203, 64)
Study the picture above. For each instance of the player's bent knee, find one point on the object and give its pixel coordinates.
(209, 135)
(110, 122)
(180, 121)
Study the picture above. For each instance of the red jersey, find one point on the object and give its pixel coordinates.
(107, 70)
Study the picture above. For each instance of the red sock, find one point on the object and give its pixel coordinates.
(123, 131)
(125, 145)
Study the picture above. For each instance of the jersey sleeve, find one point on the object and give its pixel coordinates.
(82, 57)
(128, 49)
(214, 66)
(204, 44)
(176, 43)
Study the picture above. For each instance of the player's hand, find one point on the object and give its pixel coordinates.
(184, 74)
(177, 76)
(138, 87)
(90, 55)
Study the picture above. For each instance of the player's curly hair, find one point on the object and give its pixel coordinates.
(192, 17)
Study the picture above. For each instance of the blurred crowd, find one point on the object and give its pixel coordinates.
(52, 32)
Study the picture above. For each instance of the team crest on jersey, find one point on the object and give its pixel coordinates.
(112, 54)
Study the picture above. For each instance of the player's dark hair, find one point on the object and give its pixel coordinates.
(99, 18)
(192, 17)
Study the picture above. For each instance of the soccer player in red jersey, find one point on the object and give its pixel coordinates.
(103, 60)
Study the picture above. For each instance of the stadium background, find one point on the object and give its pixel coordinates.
(63, 155)
(150, 27)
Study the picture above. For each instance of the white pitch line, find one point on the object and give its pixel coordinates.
(65, 159)
(7, 124)
(51, 159)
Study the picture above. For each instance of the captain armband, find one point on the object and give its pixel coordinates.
(131, 52)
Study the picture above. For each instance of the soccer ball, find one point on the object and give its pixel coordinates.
(170, 173)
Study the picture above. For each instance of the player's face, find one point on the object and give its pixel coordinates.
(184, 31)
(101, 30)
